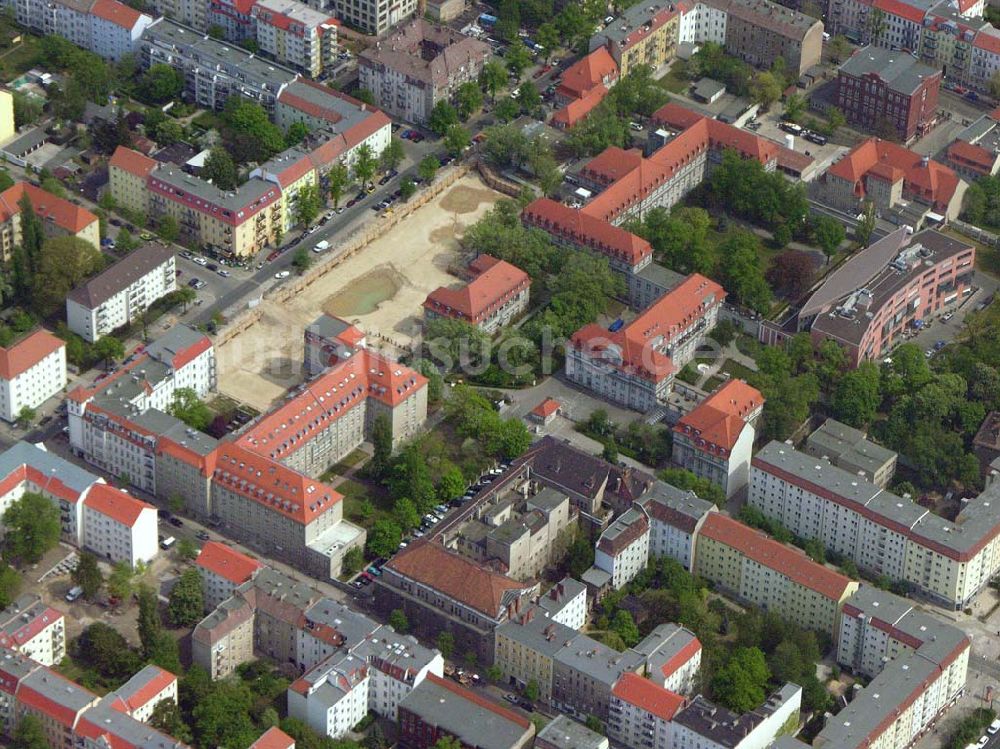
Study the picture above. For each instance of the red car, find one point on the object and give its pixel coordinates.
(273, 256)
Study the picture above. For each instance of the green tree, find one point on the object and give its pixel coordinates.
(828, 233)
(625, 627)
(468, 99)
(187, 550)
(393, 154)
(167, 717)
(149, 619)
(382, 445)
(121, 581)
(446, 644)
(109, 349)
(354, 560)
(308, 205)
(448, 742)
(836, 119)
(301, 260)
(857, 397)
(548, 36)
(866, 224)
(32, 527)
(492, 78)
(25, 417)
(405, 513)
(741, 272)
(64, 262)
(106, 650)
(29, 734)
(398, 621)
(296, 133)
(384, 538)
(795, 106)
(452, 483)
(88, 575)
(579, 556)
(27, 110)
(740, 684)
(222, 717)
(186, 605)
(10, 584)
(427, 168)
(456, 139)
(365, 164)
(506, 110)
(168, 132)
(190, 409)
(442, 117)
(838, 47)
(337, 179)
(220, 169)
(531, 689)
(406, 188)
(160, 84)
(518, 59)
(125, 242)
(168, 228)
(365, 96)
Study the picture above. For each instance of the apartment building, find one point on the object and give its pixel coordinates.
(329, 340)
(947, 562)
(292, 171)
(640, 712)
(675, 517)
(642, 35)
(33, 630)
(760, 32)
(107, 28)
(715, 439)
(147, 688)
(495, 297)
(917, 665)
(595, 70)
(118, 527)
(213, 70)
(905, 187)
(868, 304)
(439, 709)
(975, 152)
(770, 575)
(847, 448)
(223, 569)
(622, 551)
(296, 35)
(564, 733)
(57, 702)
(440, 590)
(233, 17)
(877, 86)
(419, 65)
(634, 366)
(120, 294)
(32, 370)
(59, 217)
(13, 668)
(702, 724)
(274, 738)
(566, 603)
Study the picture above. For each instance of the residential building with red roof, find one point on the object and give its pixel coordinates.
(59, 217)
(115, 29)
(545, 411)
(32, 370)
(675, 517)
(644, 34)
(496, 295)
(595, 70)
(641, 711)
(440, 708)
(233, 17)
(57, 702)
(975, 152)
(769, 574)
(123, 291)
(418, 65)
(139, 696)
(118, 527)
(575, 111)
(438, 587)
(894, 179)
(274, 738)
(292, 170)
(34, 630)
(715, 439)
(297, 35)
(223, 569)
(634, 365)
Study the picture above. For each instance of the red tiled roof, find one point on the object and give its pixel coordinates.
(30, 629)
(767, 552)
(40, 703)
(988, 42)
(901, 9)
(272, 484)
(968, 154)
(581, 228)
(647, 696)
(117, 13)
(27, 352)
(546, 408)
(227, 563)
(115, 504)
(158, 681)
(67, 216)
(497, 281)
(719, 419)
(132, 162)
(455, 576)
(470, 696)
(588, 72)
(274, 738)
(931, 181)
(579, 108)
(681, 657)
(192, 352)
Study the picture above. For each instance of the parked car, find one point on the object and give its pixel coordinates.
(211, 266)
(75, 592)
(200, 260)
(511, 698)
(176, 522)
(202, 535)
(224, 273)
(816, 138)
(282, 274)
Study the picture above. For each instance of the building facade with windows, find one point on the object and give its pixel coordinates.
(496, 295)
(34, 630)
(118, 527)
(32, 370)
(223, 569)
(296, 35)
(59, 217)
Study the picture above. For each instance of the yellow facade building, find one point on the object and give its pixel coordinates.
(7, 129)
(59, 217)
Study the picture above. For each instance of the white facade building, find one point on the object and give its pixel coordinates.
(675, 517)
(118, 527)
(296, 35)
(704, 725)
(623, 548)
(115, 29)
(566, 603)
(118, 295)
(34, 630)
(639, 713)
(223, 569)
(32, 370)
(145, 690)
(105, 27)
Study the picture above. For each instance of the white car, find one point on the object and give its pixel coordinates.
(994, 728)
(983, 741)
(201, 261)
(282, 274)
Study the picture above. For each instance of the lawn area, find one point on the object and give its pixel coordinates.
(352, 459)
(207, 121)
(674, 82)
(712, 383)
(736, 369)
(20, 58)
(356, 494)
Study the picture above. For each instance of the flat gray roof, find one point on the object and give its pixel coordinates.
(25, 453)
(900, 71)
(725, 728)
(565, 733)
(243, 197)
(846, 444)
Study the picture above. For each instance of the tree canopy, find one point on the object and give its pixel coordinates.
(32, 526)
